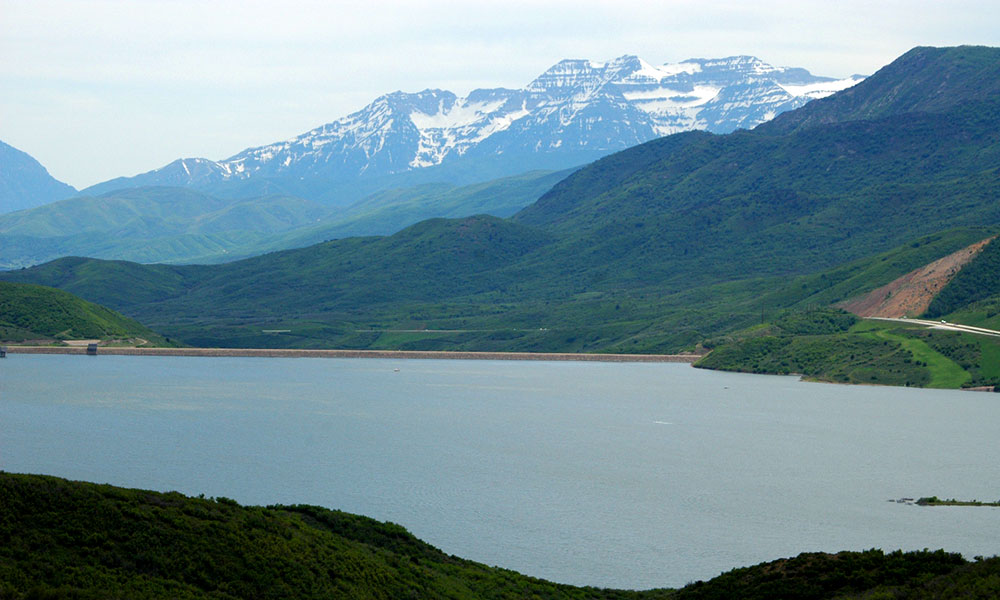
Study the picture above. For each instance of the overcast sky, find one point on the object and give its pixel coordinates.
(99, 89)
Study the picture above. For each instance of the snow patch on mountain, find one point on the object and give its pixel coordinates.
(821, 89)
(460, 114)
(575, 111)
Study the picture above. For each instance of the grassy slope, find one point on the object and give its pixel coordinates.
(945, 373)
(825, 344)
(983, 313)
(872, 352)
(61, 539)
(879, 352)
(33, 312)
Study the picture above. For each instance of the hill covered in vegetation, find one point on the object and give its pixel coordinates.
(832, 345)
(62, 539)
(829, 344)
(43, 314)
(461, 298)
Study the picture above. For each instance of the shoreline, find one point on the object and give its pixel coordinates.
(302, 353)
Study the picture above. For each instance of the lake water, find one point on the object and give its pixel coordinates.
(609, 474)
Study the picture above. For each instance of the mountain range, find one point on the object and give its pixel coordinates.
(404, 158)
(651, 249)
(572, 114)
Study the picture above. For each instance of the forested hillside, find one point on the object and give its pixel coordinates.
(64, 539)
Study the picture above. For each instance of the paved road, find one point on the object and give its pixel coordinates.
(944, 325)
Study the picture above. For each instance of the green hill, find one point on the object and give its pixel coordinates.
(972, 297)
(38, 313)
(911, 84)
(827, 344)
(63, 539)
(395, 304)
(649, 250)
(711, 208)
(881, 352)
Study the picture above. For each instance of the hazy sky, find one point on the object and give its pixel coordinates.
(98, 89)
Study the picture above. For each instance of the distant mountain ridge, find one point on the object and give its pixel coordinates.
(147, 225)
(182, 225)
(24, 183)
(575, 112)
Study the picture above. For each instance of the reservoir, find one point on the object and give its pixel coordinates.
(627, 475)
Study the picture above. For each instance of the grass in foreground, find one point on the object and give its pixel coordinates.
(62, 539)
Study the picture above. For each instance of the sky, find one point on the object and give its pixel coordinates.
(96, 89)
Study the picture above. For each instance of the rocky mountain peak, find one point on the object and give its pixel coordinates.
(576, 111)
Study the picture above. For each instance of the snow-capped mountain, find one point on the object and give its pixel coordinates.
(575, 112)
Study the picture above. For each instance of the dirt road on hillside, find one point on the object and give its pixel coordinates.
(944, 325)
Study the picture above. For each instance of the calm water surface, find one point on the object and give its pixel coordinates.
(624, 475)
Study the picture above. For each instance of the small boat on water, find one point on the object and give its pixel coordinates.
(3, 351)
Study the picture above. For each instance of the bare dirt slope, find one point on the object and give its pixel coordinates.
(911, 294)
